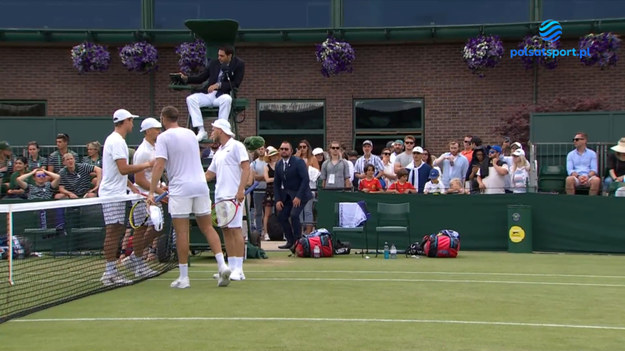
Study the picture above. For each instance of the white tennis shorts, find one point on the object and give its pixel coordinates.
(114, 212)
(182, 206)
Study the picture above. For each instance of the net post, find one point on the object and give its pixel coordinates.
(10, 243)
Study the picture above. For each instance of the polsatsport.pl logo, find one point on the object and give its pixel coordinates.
(550, 30)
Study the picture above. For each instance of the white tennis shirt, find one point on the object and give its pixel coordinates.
(227, 168)
(113, 182)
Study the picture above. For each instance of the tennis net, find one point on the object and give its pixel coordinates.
(53, 252)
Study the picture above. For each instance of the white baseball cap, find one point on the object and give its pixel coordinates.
(150, 123)
(223, 125)
(518, 152)
(121, 115)
(418, 149)
(316, 151)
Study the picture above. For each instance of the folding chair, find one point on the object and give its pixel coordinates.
(392, 218)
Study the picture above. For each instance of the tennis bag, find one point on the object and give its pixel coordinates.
(305, 246)
(444, 244)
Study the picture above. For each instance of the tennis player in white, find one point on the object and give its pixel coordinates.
(177, 150)
(231, 168)
(115, 170)
(145, 234)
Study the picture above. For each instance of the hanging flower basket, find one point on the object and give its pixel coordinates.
(537, 43)
(602, 49)
(139, 57)
(335, 56)
(90, 57)
(192, 57)
(482, 52)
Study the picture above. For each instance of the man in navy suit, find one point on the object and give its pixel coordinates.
(291, 191)
(221, 76)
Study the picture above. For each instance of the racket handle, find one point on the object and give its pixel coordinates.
(252, 187)
(161, 196)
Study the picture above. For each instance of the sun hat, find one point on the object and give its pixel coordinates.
(620, 147)
(121, 115)
(223, 125)
(271, 151)
(150, 123)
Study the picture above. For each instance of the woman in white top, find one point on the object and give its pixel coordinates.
(519, 172)
(389, 173)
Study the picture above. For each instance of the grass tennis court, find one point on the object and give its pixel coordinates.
(479, 301)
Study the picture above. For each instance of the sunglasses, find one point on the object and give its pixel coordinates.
(578, 139)
(467, 141)
(408, 142)
(40, 176)
(416, 153)
(285, 148)
(302, 147)
(492, 152)
(335, 147)
(386, 153)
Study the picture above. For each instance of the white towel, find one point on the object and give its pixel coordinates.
(351, 215)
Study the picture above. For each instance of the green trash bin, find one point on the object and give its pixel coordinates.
(520, 229)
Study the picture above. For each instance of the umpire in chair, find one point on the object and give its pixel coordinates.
(222, 77)
(291, 191)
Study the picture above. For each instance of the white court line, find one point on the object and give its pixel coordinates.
(283, 319)
(437, 273)
(463, 281)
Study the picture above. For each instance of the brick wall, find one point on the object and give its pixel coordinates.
(456, 101)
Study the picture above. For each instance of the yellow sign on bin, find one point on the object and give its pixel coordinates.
(517, 234)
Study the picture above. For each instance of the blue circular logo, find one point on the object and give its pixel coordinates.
(550, 30)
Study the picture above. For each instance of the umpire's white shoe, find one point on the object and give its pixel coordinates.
(201, 136)
(181, 283)
(224, 276)
(114, 278)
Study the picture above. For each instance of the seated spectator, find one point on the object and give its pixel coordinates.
(389, 175)
(581, 166)
(455, 187)
(55, 160)
(75, 180)
(19, 167)
(42, 189)
(434, 186)
(34, 159)
(616, 166)
(320, 155)
(402, 186)
(370, 184)
(419, 170)
(495, 182)
(6, 167)
(93, 158)
(519, 172)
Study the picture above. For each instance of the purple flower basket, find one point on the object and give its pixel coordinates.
(90, 57)
(602, 49)
(535, 42)
(192, 57)
(482, 52)
(139, 57)
(335, 56)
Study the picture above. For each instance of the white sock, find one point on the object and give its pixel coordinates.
(239, 263)
(220, 260)
(110, 267)
(184, 270)
(232, 262)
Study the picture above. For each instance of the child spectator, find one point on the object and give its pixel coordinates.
(434, 186)
(455, 187)
(42, 189)
(19, 167)
(370, 184)
(402, 186)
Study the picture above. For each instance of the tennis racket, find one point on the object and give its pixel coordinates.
(224, 211)
(151, 212)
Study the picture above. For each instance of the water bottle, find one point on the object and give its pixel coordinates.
(386, 252)
(393, 251)
(317, 251)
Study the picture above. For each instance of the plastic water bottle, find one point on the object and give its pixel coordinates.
(393, 251)
(317, 251)
(386, 252)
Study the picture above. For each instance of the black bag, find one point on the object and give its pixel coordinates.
(274, 228)
(342, 248)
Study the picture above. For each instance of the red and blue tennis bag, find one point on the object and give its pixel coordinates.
(444, 244)
(305, 246)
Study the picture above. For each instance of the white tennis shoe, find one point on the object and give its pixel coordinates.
(115, 278)
(145, 272)
(224, 277)
(181, 283)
